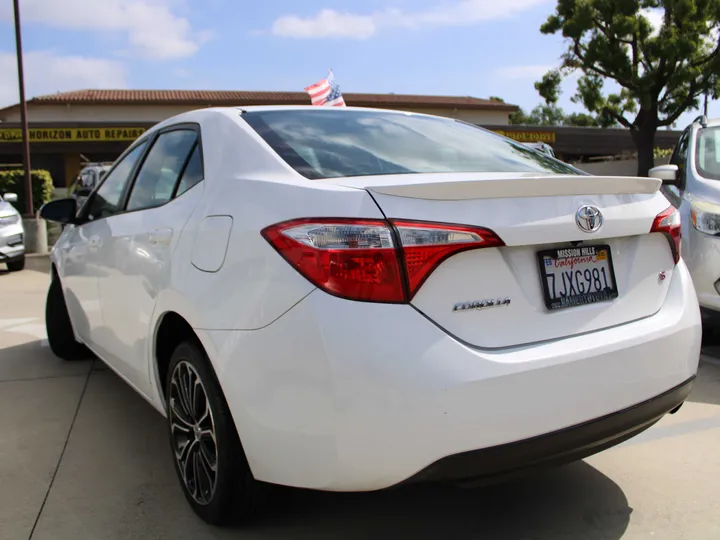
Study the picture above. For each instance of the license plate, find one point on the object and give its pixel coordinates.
(577, 276)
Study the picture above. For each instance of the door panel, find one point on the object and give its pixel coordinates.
(136, 255)
(82, 249)
(78, 252)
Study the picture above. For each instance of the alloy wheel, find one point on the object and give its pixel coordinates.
(193, 433)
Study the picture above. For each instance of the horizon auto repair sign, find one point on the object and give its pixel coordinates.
(94, 134)
(528, 136)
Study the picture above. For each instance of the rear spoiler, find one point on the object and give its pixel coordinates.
(463, 186)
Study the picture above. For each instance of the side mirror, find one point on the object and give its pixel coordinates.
(10, 197)
(59, 211)
(669, 174)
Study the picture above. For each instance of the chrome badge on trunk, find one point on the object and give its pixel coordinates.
(481, 304)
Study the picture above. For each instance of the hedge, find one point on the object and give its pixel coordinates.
(13, 181)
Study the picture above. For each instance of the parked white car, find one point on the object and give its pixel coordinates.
(349, 299)
(692, 183)
(12, 234)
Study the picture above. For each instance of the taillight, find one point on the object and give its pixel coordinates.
(668, 223)
(353, 259)
(426, 245)
(359, 259)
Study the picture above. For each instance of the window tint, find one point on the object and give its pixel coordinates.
(707, 153)
(106, 200)
(193, 172)
(680, 153)
(159, 174)
(332, 143)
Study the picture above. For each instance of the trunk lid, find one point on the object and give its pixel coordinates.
(500, 291)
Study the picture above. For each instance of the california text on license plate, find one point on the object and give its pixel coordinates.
(577, 276)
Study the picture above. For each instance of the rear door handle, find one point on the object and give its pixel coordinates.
(160, 236)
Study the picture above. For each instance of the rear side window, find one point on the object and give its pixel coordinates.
(335, 143)
(159, 174)
(193, 173)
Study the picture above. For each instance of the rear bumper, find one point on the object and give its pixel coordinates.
(349, 396)
(557, 448)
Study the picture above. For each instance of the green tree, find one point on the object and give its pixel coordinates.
(518, 117)
(581, 120)
(660, 72)
(546, 115)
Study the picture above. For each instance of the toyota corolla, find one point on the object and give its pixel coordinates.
(351, 299)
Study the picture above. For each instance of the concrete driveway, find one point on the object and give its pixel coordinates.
(83, 458)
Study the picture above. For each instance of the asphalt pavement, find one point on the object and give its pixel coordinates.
(82, 457)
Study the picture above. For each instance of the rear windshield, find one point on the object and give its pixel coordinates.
(332, 143)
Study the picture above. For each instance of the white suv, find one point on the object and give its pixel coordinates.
(12, 234)
(692, 183)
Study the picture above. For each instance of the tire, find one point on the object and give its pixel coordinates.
(59, 328)
(17, 265)
(229, 494)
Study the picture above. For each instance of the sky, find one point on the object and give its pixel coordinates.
(477, 48)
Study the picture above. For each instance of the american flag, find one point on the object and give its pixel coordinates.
(326, 93)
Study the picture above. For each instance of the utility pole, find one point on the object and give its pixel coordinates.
(23, 113)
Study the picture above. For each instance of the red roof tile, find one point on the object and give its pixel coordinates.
(240, 98)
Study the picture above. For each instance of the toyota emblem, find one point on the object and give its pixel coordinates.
(588, 218)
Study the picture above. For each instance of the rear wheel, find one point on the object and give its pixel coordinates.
(16, 265)
(208, 456)
(59, 328)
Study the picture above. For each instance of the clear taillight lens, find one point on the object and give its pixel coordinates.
(359, 259)
(668, 223)
(426, 245)
(353, 259)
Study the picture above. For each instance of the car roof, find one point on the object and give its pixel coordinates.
(713, 122)
(206, 114)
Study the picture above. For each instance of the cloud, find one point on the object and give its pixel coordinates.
(151, 28)
(326, 24)
(329, 23)
(515, 73)
(47, 73)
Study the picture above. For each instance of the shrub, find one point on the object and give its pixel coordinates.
(13, 181)
(662, 152)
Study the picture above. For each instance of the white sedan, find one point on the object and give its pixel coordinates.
(349, 299)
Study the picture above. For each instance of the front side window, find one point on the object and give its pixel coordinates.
(707, 153)
(680, 153)
(333, 143)
(159, 174)
(107, 198)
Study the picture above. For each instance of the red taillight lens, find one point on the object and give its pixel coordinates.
(426, 245)
(358, 259)
(668, 223)
(353, 259)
